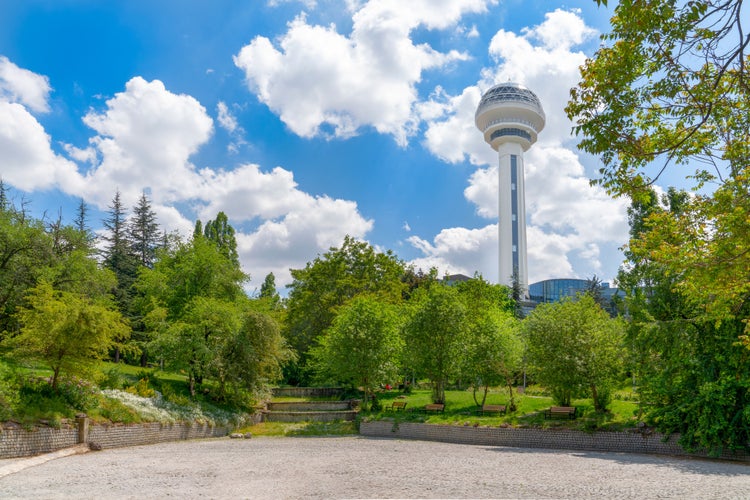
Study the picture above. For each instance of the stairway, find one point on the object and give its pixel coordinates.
(309, 411)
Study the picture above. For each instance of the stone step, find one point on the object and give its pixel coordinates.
(309, 406)
(308, 416)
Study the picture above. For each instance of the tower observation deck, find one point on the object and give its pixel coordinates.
(511, 116)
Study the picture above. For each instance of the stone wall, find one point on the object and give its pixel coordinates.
(115, 436)
(564, 439)
(307, 392)
(18, 442)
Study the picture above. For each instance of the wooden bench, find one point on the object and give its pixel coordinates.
(396, 406)
(435, 408)
(570, 412)
(492, 409)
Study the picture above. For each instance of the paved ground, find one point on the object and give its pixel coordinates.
(358, 467)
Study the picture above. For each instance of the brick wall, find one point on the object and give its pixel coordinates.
(115, 436)
(17, 442)
(307, 392)
(565, 439)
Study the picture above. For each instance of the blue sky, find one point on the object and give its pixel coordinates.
(305, 121)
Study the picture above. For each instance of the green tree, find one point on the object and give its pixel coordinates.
(492, 347)
(25, 251)
(575, 349)
(143, 232)
(66, 331)
(494, 352)
(251, 357)
(118, 255)
(435, 337)
(223, 235)
(327, 283)
(268, 290)
(363, 346)
(669, 89)
(191, 301)
(692, 374)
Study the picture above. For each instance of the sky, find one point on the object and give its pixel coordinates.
(305, 121)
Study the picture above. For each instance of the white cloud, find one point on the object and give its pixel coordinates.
(569, 221)
(318, 78)
(459, 250)
(146, 136)
(23, 86)
(226, 119)
(306, 229)
(27, 160)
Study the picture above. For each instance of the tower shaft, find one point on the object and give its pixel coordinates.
(512, 216)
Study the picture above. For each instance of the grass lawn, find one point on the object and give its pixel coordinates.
(460, 409)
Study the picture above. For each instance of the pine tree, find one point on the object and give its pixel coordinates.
(143, 231)
(118, 256)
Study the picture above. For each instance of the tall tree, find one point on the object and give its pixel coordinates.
(66, 331)
(223, 235)
(435, 336)
(363, 346)
(575, 349)
(119, 257)
(692, 374)
(25, 251)
(192, 301)
(669, 88)
(143, 232)
(329, 282)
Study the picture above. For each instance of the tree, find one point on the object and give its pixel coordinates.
(192, 301)
(435, 335)
(221, 233)
(492, 346)
(119, 257)
(66, 331)
(81, 222)
(362, 347)
(692, 374)
(669, 86)
(25, 251)
(143, 232)
(575, 349)
(252, 357)
(329, 282)
(494, 352)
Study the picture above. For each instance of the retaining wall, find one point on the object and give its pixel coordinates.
(309, 416)
(563, 439)
(310, 406)
(307, 392)
(18, 442)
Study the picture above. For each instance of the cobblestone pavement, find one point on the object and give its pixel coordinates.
(357, 467)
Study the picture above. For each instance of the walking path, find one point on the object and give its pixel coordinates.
(357, 467)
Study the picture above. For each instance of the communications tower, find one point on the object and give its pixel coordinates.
(510, 116)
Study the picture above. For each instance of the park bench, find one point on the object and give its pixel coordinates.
(492, 409)
(434, 407)
(396, 406)
(569, 412)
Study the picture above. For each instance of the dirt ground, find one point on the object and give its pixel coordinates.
(358, 467)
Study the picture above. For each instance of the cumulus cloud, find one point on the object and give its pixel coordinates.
(27, 160)
(319, 79)
(459, 250)
(145, 138)
(23, 86)
(569, 221)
